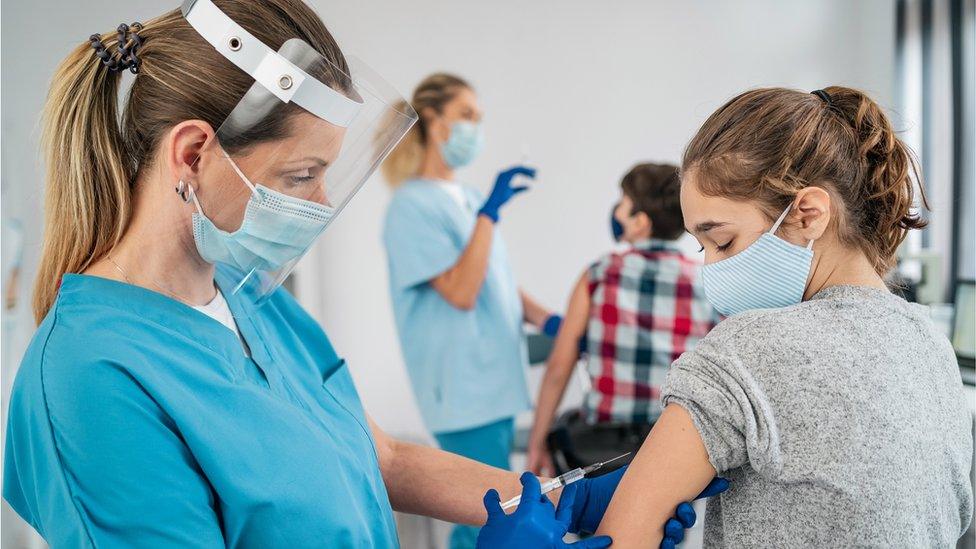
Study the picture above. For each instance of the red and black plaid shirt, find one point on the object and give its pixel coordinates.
(647, 307)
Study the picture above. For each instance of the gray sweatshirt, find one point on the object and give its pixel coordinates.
(840, 422)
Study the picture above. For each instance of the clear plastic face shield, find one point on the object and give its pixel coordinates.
(289, 157)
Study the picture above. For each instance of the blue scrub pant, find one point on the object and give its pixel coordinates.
(490, 444)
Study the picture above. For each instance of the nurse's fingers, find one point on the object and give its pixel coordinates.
(521, 170)
(715, 487)
(519, 189)
(531, 493)
(493, 504)
(674, 531)
(686, 514)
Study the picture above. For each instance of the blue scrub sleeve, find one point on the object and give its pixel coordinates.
(132, 479)
(419, 243)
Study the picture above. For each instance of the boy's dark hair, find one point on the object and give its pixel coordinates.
(655, 190)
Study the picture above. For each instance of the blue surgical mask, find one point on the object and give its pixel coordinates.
(770, 273)
(616, 229)
(463, 145)
(277, 228)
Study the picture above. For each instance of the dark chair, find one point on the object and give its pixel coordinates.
(574, 443)
(539, 346)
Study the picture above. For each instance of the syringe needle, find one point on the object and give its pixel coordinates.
(598, 466)
(616, 458)
(576, 474)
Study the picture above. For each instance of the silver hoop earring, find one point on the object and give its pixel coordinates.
(183, 190)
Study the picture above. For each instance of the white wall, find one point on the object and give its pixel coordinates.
(588, 92)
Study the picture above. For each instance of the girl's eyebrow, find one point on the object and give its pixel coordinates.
(707, 226)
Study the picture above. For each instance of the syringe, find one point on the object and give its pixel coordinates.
(564, 479)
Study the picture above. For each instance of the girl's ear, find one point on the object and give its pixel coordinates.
(810, 216)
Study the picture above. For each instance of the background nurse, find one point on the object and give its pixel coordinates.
(458, 309)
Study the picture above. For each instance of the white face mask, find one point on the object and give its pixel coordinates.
(277, 228)
(770, 273)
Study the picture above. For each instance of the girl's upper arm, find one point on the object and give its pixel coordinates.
(671, 467)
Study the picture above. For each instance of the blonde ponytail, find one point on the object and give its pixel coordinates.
(432, 93)
(404, 161)
(88, 195)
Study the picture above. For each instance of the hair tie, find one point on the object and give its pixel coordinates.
(824, 96)
(126, 57)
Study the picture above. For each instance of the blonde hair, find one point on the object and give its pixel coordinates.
(433, 92)
(767, 144)
(93, 163)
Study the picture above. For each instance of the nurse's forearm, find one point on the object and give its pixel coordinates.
(460, 284)
(430, 482)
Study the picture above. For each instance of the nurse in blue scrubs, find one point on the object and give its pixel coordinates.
(174, 394)
(458, 309)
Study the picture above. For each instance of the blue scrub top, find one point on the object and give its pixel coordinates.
(137, 421)
(467, 368)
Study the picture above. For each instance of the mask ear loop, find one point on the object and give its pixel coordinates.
(189, 194)
(240, 174)
(243, 177)
(779, 222)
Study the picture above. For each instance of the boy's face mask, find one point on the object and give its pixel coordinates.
(616, 229)
(631, 224)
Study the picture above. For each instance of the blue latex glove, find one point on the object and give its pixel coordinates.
(535, 524)
(594, 494)
(684, 515)
(551, 326)
(592, 498)
(504, 191)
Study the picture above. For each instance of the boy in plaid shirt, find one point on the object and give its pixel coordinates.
(638, 309)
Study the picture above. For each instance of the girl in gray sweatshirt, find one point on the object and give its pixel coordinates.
(835, 407)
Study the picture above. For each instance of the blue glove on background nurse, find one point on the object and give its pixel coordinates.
(502, 192)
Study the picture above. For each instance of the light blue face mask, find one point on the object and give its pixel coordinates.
(463, 145)
(277, 228)
(770, 273)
